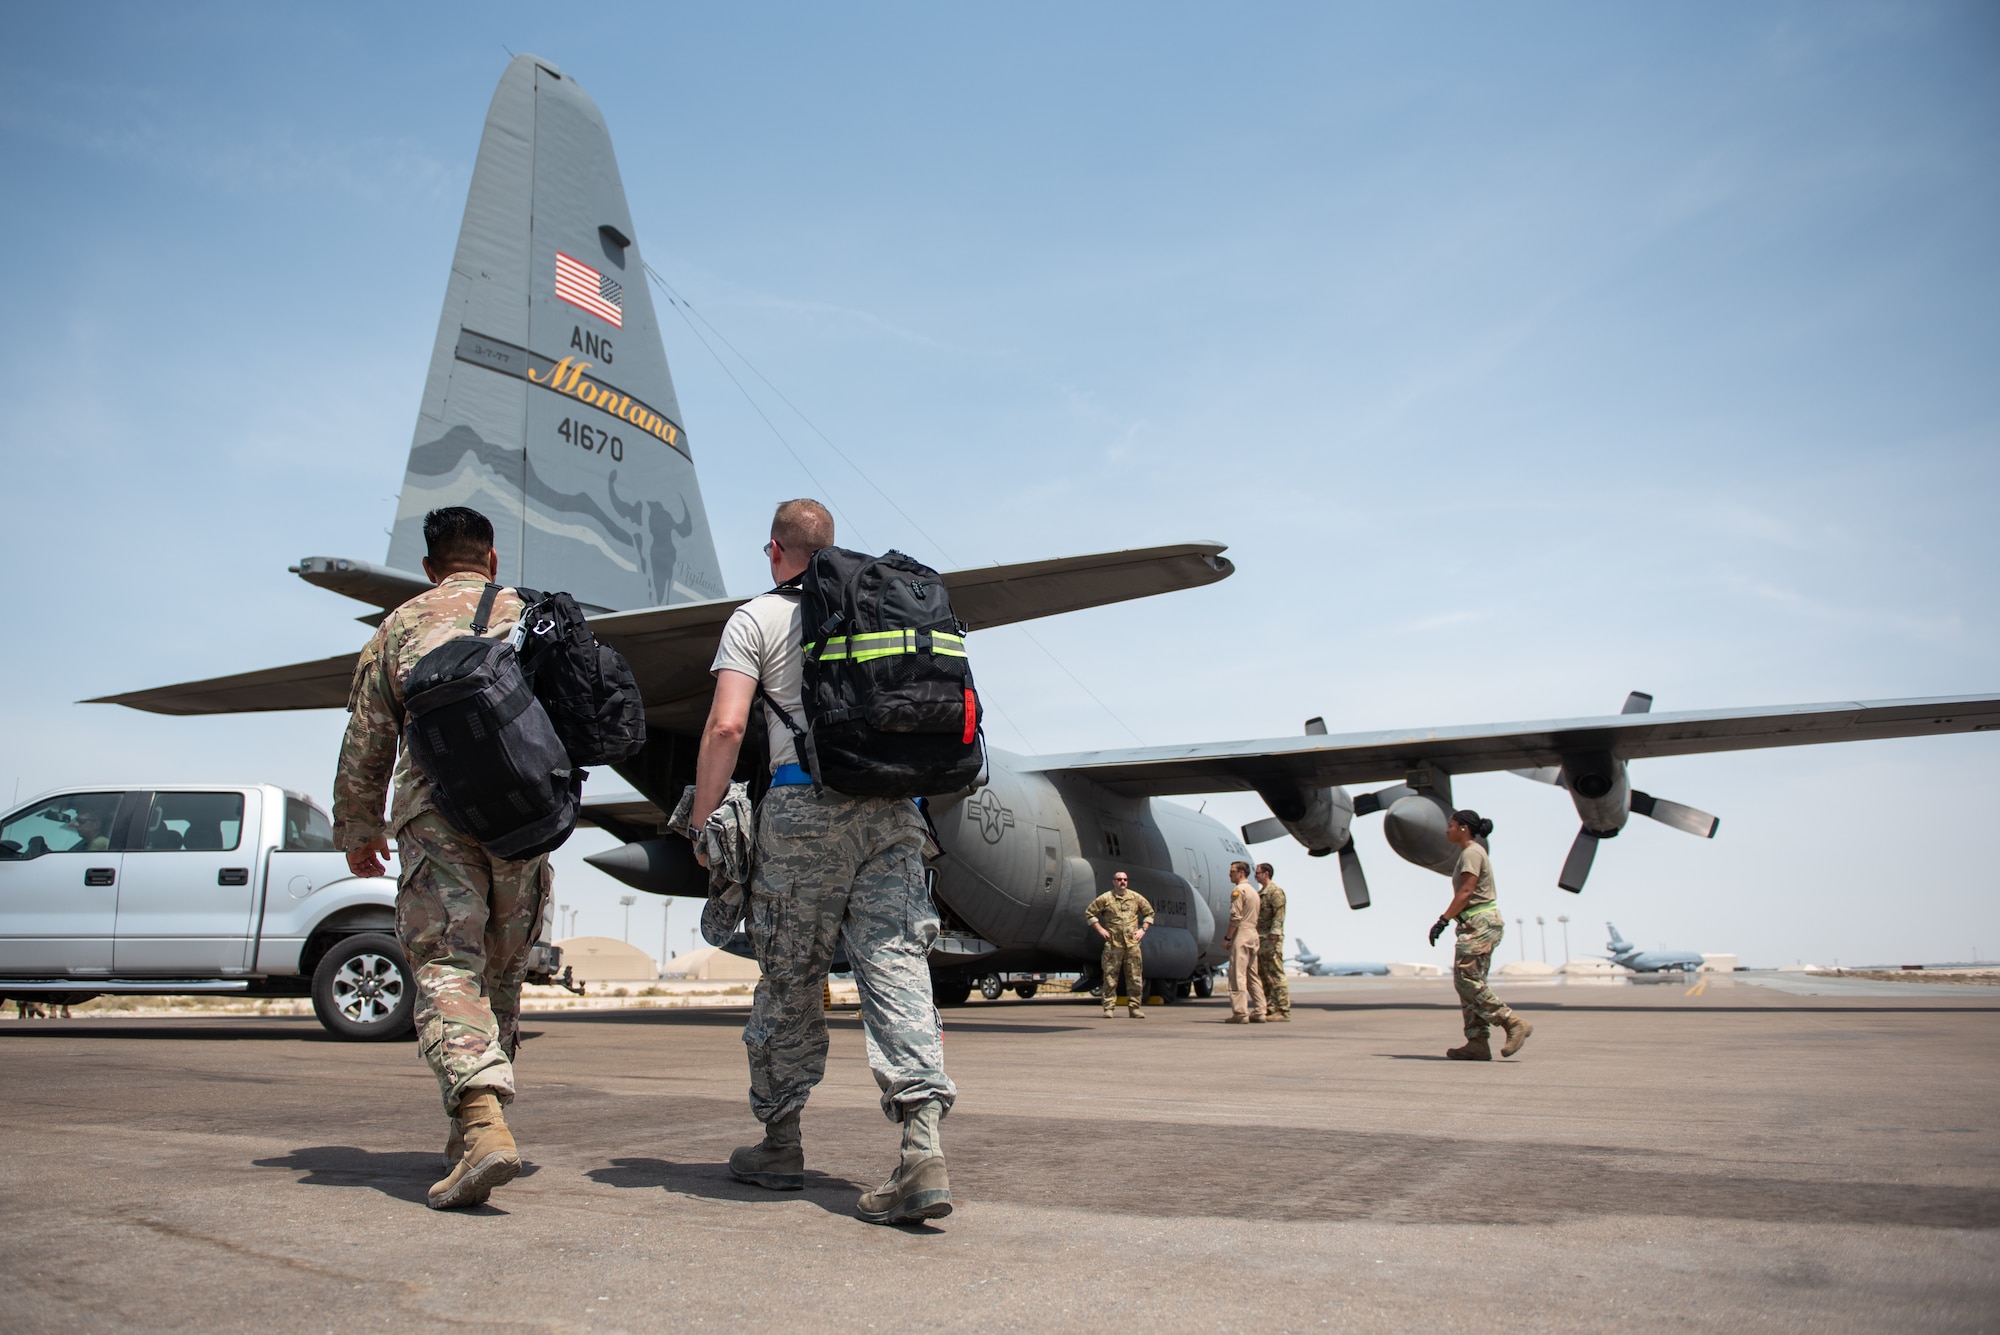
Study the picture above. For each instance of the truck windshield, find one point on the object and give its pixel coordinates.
(307, 830)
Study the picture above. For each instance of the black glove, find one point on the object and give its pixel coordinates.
(1437, 928)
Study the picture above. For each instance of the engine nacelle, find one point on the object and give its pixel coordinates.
(1323, 826)
(1602, 792)
(1414, 827)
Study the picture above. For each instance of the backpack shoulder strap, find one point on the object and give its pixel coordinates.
(484, 614)
(801, 737)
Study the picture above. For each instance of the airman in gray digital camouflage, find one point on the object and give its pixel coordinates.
(1121, 916)
(828, 866)
(464, 919)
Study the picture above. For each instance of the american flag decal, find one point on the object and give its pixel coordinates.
(584, 287)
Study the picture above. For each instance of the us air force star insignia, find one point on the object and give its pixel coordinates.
(991, 813)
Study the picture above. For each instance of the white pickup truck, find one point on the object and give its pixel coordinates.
(176, 889)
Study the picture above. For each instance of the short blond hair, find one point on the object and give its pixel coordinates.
(802, 526)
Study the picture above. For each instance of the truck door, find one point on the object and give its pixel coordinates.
(189, 897)
(59, 873)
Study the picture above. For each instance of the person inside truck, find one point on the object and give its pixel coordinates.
(89, 827)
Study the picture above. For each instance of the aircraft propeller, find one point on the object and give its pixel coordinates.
(1353, 880)
(1596, 786)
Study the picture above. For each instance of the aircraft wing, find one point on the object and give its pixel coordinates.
(671, 647)
(1380, 757)
(321, 684)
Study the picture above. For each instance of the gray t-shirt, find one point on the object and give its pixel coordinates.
(761, 639)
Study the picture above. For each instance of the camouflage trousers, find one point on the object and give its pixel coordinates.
(1271, 973)
(830, 867)
(1478, 935)
(1124, 975)
(1246, 990)
(466, 921)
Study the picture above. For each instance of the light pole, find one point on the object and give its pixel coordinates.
(1564, 920)
(666, 915)
(1521, 926)
(1543, 924)
(563, 911)
(628, 901)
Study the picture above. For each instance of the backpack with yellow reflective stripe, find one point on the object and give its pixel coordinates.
(890, 706)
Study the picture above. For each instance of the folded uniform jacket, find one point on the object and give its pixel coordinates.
(729, 842)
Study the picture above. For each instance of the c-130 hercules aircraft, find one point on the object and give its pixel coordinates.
(550, 408)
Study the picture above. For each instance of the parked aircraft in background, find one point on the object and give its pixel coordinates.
(1319, 968)
(549, 406)
(1648, 961)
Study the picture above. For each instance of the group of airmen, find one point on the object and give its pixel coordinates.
(829, 867)
(1256, 940)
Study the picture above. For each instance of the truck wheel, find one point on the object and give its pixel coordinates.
(951, 989)
(989, 987)
(364, 989)
(1025, 990)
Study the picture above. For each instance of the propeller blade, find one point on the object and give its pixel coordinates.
(1315, 727)
(1684, 818)
(1351, 878)
(1576, 867)
(1549, 774)
(1638, 703)
(1381, 799)
(1264, 831)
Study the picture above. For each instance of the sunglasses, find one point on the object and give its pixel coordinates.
(772, 548)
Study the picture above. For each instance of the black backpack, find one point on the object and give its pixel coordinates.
(890, 706)
(475, 728)
(586, 687)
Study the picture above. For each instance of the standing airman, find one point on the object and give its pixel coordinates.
(1121, 916)
(1246, 991)
(1271, 945)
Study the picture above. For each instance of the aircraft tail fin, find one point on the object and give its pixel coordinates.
(549, 407)
(1618, 945)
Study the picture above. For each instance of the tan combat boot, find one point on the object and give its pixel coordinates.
(777, 1162)
(1475, 1050)
(918, 1189)
(1138, 1011)
(454, 1144)
(491, 1157)
(1518, 1030)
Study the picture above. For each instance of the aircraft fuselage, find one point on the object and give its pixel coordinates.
(1026, 853)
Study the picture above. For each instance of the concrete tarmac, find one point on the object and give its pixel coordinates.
(1734, 1158)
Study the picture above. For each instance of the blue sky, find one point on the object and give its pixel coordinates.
(1524, 356)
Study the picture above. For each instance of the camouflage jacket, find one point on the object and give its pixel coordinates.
(1120, 915)
(1271, 911)
(368, 752)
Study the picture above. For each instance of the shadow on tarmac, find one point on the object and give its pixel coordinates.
(712, 1181)
(405, 1175)
(265, 1028)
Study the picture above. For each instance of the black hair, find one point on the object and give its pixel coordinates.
(457, 537)
(1473, 821)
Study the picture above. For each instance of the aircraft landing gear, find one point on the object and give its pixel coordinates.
(1204, 986)
(951, 989)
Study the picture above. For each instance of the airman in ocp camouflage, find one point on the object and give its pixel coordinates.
(1475, 909)
(1271, 945)
(464, 919)
(1121, 916)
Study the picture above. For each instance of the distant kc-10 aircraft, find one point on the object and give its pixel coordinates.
(549, 407)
